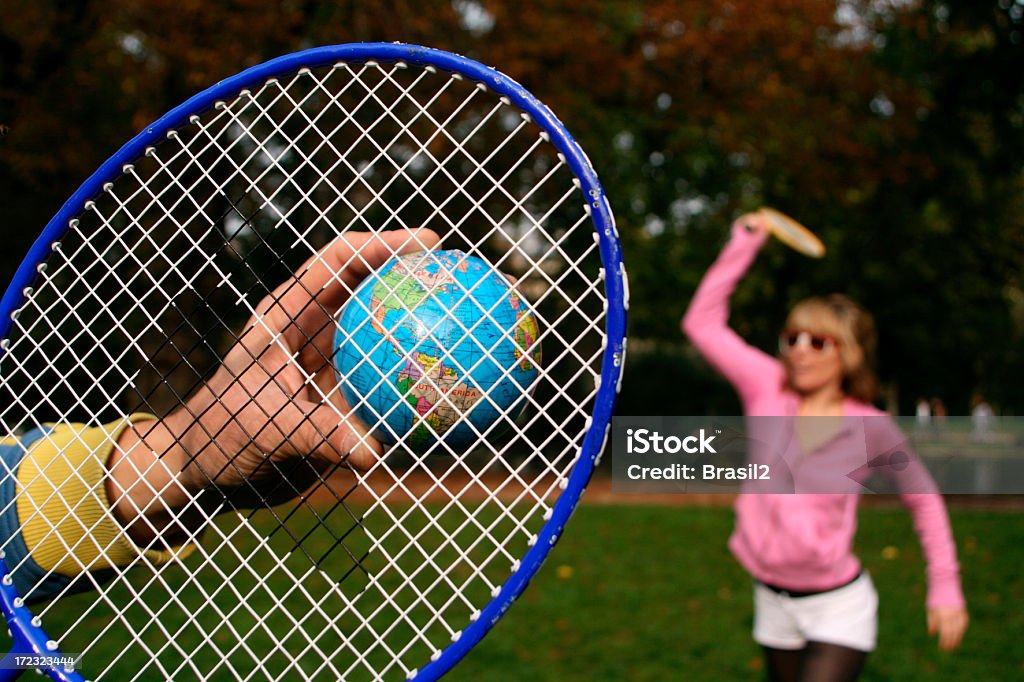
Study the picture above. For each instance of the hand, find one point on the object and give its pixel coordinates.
(751, 222)
(950, 625)
(270, 422)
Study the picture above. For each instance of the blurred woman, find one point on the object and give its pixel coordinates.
(815, 609)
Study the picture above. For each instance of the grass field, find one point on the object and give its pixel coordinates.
(651, 593)
(631, 593)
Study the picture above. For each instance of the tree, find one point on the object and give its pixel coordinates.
(893, 129)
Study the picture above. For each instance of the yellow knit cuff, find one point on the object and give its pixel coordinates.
(65, 516)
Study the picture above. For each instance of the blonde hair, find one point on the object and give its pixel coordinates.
(853, 328)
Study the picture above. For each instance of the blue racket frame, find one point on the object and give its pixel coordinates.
(30, 638)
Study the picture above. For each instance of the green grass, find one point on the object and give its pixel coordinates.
(253, 595)
(639, 593)
(651, 593)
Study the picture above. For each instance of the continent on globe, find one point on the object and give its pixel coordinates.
(404, 286)
(437, 346)
(527, 348)
(436, 395)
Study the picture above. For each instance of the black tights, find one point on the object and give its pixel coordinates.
(816, 662)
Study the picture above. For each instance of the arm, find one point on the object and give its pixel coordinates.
(55, 523)
(77, 501)
(946, 607)
(706, 322)
(270, 422)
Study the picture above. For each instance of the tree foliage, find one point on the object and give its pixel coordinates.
(894, 129)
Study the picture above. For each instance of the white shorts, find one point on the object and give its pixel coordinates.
(847, 616)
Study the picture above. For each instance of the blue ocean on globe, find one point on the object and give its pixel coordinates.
(436, 345)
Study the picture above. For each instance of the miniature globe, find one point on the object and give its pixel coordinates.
(436, 346)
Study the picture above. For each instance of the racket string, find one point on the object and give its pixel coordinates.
(366, 575)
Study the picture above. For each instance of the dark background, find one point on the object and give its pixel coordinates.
(894, 131)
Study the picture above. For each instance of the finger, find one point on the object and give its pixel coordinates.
(334, 439)
(957, 630)
(330, 275)
(951, 628)
(932, 623)
(949, 638)
(373, 250)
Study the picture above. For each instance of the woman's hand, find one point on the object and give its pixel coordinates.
(949, 623)
(751, 222)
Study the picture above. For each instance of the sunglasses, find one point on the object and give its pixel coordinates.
(818, 342)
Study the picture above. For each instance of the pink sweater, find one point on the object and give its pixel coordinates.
(799, 541)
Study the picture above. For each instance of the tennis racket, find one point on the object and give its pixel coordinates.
(152, 276)
(793, 234)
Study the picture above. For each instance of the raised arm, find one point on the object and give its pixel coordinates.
(706, 321)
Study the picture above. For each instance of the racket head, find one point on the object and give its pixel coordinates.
(606, 285)
(792, 234)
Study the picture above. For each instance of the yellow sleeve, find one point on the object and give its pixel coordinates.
(65, 517)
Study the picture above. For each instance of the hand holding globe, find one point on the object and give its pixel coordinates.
(436, 346)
